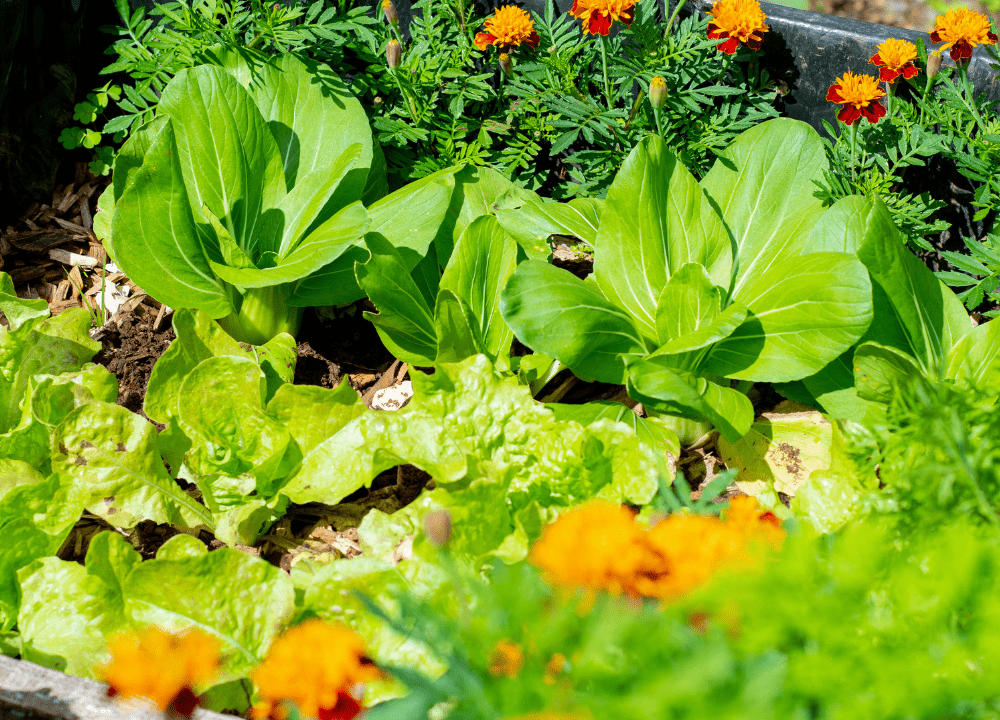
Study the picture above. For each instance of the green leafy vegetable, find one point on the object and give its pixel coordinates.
(697, 282)
(243, 197)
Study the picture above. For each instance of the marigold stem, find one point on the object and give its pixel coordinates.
(970, 92)
(673, 16)
(604, 65)
(854, 136)
(659, 125)
(410, 105)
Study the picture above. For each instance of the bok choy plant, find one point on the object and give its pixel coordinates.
(245, 196)
(695, 284)
(920, 327)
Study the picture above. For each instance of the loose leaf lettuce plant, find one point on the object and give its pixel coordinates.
(243, 196)
(698, 283)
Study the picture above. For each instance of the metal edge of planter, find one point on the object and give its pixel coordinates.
(32, 692)
(823, 47)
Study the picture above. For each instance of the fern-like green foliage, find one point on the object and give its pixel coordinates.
(937, 454)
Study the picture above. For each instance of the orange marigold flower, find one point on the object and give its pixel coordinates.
(507, 659)
(735, 22)
(314, 665)
(161, 667)
(962, 30)
(859, 94)
(554, 667)
(507, 28)
(597, 545)
(692, 549)
(895, 58)
(599, 15)
(600, 546)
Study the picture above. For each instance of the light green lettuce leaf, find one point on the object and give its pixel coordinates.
(14, 473)
(331, 595)
(68, 611)
(35, 519)
(113, 454)
(230, 433)
(200, 338)
(34, 344)
(241, 601)
(464, 419)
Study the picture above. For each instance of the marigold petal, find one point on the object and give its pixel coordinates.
(729, 46)
(888, 74)
(875, 60)
(533, 40)
(753, 42)
(910, 70)
(849, 114)
(833, 94)
(347, 708)
(599, 24)
(961, 51)
(874, 112)
(936, 36)
(714, 32)
(484, 40)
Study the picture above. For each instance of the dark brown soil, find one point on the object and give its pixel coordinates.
(130, 348)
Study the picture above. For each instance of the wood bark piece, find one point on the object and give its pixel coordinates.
(72, 227)
(71, 258)
(33, 692)
(38, 241)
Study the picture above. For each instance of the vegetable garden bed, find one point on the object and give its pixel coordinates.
(481, 367)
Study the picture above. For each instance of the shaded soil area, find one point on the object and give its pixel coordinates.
(129, 349)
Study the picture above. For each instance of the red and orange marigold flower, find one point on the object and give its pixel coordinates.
(859, 94)
(161, 667)
(735, 22)
(315, 665)
(962, 30)
(599, 15)
(895, 58)
(599, 546)
(508, 28)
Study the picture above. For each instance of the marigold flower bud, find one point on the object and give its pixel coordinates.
(393, 54)
(390, 12)
(657, 92)
(506, 64)
(934, 63)
(437, 526)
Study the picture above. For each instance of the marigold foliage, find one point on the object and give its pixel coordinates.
(895, 58)
(314, 665)
(600, 546)
(962, 30)
(735, 22)
(162, 667)
(507, 29)
(599, 15)
(859, 94)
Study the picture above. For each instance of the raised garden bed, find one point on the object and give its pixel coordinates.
(230, 461)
